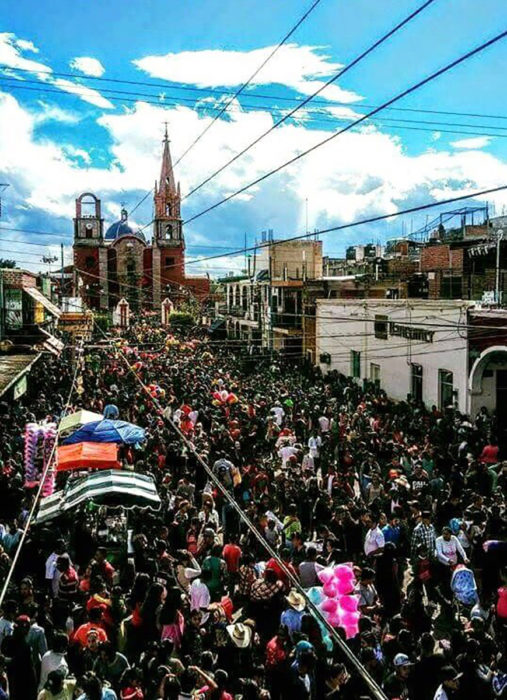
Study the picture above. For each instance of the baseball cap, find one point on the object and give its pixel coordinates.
(449, 673)
(402, 660)
(23, 618)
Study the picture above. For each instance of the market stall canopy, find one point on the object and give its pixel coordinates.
(75, 420)
(88, 455)
(38, 296)
(111, 488)
(108, 431)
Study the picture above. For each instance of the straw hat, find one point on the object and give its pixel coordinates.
(296, 601)
(240, 634)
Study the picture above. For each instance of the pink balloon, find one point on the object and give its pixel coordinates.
(345, 587)
(326, 575)
(330, 589)
(349, 603)
(330, 605)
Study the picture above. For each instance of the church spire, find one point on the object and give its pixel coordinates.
(166, 171)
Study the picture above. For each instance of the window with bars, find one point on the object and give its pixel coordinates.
(355, 364)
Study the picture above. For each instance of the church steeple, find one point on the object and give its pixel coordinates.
(167, 200)
(166, 171)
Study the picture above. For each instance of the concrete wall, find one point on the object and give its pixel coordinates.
(342, 326)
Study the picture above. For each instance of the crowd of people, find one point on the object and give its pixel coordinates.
(188, 603)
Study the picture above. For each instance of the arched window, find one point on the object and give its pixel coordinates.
(168, 210)
(168, 231)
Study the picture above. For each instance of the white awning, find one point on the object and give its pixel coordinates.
(37, 295)
(51, 344)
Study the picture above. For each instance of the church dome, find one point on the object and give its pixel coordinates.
(122, 228)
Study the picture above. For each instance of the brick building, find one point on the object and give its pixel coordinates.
(121, 263)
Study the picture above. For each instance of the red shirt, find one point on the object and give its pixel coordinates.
(81, 634)
(232, 554)
(275, 566)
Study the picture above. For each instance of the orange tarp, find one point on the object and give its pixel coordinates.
(88, 455)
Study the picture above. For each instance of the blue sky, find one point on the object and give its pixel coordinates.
(55, 144)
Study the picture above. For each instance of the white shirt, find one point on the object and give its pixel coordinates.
(286, 453)
(52, 661)
(278, 414)
(314, 443)
(199, 598)
(324, 424)
(440, 693)
(374, 540)
(447, 551)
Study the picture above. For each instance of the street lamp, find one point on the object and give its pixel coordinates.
(49, 259)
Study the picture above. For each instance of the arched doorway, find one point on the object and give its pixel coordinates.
(487, 386)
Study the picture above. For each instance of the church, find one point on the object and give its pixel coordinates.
(122, 264)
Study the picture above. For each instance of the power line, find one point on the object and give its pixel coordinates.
(332, 80)
(250, 79)
(214, 91)
(238, 92)
(391, 101)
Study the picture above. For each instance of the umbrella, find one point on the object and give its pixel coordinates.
(108, 431)
(111, 411)
(86, 455)
(110, 487)
(74, 420)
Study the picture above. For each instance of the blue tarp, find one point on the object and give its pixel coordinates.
(108, 431)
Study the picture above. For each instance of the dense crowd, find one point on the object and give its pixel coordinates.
(188, 604)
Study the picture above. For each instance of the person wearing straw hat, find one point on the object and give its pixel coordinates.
(293, 614)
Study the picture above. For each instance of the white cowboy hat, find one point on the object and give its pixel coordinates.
(240, 634)
(296, 601)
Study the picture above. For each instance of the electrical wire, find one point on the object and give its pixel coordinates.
(214, 91)
(392, 100)
(331, 80)
(238, 92)
(374, 688)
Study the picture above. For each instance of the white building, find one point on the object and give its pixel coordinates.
(410, 346)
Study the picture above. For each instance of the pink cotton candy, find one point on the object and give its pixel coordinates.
(345, 587)
(343, 571)
(348, 619)
(330, 605)
(330, 589)
(349, 603)
(351, 631)
(326, 575)
(334, 620)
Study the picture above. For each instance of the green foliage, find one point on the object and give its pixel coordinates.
(103, 320)
(7, 264)
(181, 319)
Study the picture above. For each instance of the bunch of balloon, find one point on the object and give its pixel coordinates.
(156, 392)
(221, 398)
(48, 487)
(339, 604)
(32, 433)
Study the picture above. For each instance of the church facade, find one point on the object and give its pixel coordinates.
(122, 263)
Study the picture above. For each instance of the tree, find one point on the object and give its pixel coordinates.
(7, 264)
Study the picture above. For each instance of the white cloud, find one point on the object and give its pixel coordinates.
(297, 67)
(88, 66)
(85, 93)
(53, 113)
(10, 55)
(475, 142)
(79, 153)
(25, 45)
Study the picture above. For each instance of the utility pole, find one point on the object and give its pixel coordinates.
(61, 273)
(499, 239)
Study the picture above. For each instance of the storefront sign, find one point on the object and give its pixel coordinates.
(411, 332)
(20, 387)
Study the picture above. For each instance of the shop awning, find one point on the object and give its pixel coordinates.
(111, 487)
(13, 368)
(118, 431)
(37, 295)
(75, 420)
(51, 344)
(88, 455)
